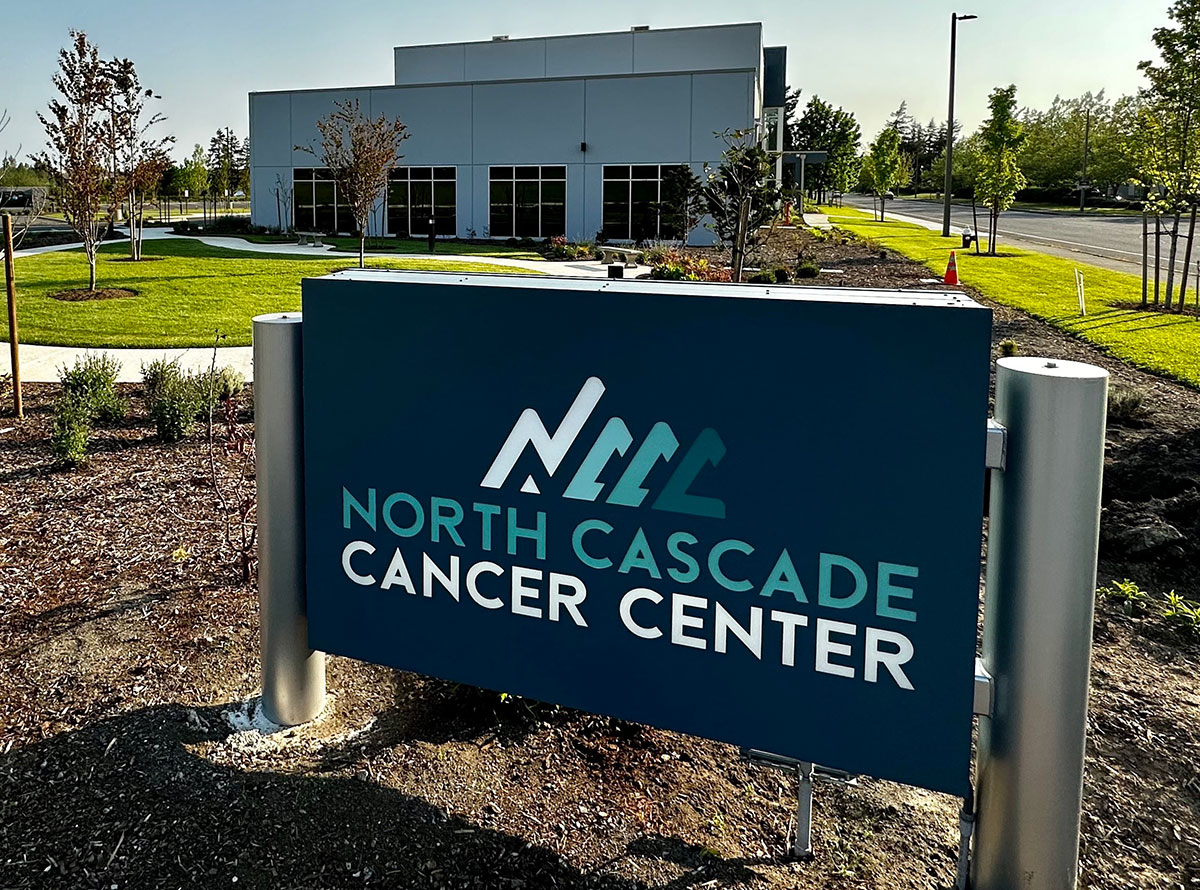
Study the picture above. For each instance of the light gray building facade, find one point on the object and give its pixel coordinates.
(529, 138)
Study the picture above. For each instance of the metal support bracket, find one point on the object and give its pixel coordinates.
(806, 774)
(997, 445)
(984, 689)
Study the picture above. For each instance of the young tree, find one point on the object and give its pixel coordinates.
(227, 160)
(835, 131)
(193, 175)
(283, 203)
(741, 195)
(1000, 176)
(1174, 97)
(75, 152)
(137, 162)
(359, 152)
(683, 204)
(881, 167)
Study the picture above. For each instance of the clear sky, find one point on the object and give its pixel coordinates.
(865, 55)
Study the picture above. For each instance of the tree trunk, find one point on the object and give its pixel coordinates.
(362, 250)
(1171, 259)
(1145, 255)
(92, 269)
(1187, 258)
(882, 206)
(1157, 255)
(738, 254)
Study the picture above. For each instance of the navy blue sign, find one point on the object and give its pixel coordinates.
(749, 514)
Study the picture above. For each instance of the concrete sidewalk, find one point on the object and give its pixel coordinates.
(40, 364)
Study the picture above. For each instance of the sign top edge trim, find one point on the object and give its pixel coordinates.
(891, 296)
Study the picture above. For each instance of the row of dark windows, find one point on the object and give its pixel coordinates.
(523, 202)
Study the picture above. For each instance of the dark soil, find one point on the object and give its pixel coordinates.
(128, 648)
(82, 294)
(845, 261)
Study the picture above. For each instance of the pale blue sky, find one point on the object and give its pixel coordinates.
(866, 55)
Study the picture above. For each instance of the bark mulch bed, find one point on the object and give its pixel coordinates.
(128, 755)
(82, 294)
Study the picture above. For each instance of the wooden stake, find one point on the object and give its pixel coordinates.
(10, 280)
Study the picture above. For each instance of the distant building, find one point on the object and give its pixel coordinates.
(533, 137)
(22, 198)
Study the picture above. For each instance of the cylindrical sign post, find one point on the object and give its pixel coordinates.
(293, 675)
(1037, 637)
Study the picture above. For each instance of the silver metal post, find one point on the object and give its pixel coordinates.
(293, 675)
(802, 843)
(1037, 637)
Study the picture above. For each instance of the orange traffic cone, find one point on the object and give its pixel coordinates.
(951, 271)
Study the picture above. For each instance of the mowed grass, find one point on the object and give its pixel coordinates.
(1044, 286)
(182, 298)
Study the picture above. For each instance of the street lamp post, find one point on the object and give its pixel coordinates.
(955, 18)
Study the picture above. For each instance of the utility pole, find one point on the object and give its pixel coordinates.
(1083, 180)
(955, 18)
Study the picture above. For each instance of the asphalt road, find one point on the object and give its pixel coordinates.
(1110, 240)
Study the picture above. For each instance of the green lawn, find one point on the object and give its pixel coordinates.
(406, 245)
(182, 299)
(1044, 286)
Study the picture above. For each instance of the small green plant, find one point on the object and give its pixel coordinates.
(72, 426)
(216, 386)
(1126, 404)
(1183, 612)
(174, 405)
(157, 371)
(1127, 593)
(807, 269)
(1009, 347)
(93, 379)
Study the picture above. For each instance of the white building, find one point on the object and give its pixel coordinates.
(529, 138)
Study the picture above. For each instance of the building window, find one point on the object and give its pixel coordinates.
(417, 193)
(527, 202)
(315, 202)
(633, 195)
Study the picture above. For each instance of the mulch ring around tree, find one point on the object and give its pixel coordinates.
(82, 294)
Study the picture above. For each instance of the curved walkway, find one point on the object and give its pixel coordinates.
(40, 364)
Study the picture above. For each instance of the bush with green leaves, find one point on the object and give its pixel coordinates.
(157, 371)
(174, 405)
(93, 379)
(1009, 347)
(72, 426)
(216, 386)
(807, 269)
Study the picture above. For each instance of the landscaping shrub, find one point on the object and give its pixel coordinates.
(659, 252)
(807, 269)
(223, 225)
(1009, 348)
(174, 405)
(155, 372)
(679, 265)
(72, 426)
(770, 276)
(216, 386)
(92, 379)
(1126, 404)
